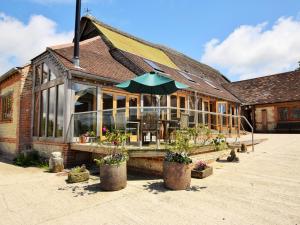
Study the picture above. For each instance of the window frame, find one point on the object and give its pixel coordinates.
(2, 98)
(38, 90)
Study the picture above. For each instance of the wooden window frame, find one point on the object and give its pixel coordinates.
(4, 107)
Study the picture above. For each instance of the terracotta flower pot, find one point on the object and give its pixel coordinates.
(113, 177)
(177, 176)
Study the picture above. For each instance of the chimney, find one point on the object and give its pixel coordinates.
(76, 37)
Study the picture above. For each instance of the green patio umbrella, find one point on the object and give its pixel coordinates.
(152, 83)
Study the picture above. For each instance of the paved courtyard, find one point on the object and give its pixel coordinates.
(264, 188)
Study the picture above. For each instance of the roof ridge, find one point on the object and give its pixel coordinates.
(67, 45)
(271, 75)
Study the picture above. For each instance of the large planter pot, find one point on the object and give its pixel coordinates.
(113, 177)
(203, 173)
(176, 176)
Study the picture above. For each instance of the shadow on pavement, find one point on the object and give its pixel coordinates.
(158, 187)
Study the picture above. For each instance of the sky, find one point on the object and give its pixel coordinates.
(241, 39)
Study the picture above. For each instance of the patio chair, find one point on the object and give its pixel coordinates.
(121, 123)
(182, 123)
(150, 124)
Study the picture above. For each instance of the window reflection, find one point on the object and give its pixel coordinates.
(107, 123)
(60, 111)
(45, 73)
(52, 75)
(283, 114)
(173, 104)
(38, 73)
(43, 113)
(36, 112)
(85, 100)
(51, 113)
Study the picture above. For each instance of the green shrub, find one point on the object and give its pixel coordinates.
(219, 142)
(117, 154)
(31, 158)
(180, 148)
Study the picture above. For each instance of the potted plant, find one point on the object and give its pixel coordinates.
(113, 169)
(78, 174)
(201, 170)
(177, 164)
(219, 142)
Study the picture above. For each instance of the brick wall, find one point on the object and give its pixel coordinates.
(24, 124)
(8, 129)
(15, 135)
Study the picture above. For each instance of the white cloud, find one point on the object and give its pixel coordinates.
(21, 42)
(253, 51)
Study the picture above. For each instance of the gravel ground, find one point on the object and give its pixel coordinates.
(264, 188)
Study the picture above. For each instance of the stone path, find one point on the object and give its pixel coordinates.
(264, 188)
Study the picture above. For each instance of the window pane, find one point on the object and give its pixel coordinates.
(43, 112)
(200, 115)
(60, 111)
(85, 98)
(283, 114)
(163, 101)
(85, 123)
(206, 108)
(192, 107)
(7, 107)
(38, 74)
(51, 111)
(36, 113)
(148, 102)
(52, 75)
(173, 104)
(45, 73)
(296, 114)
(182, 103)
(222, 110)
(121, 102)
(132, 112)
(107, 122)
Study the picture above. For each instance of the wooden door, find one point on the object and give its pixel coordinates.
(264, 117)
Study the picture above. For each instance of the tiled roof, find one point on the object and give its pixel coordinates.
(281, 87)
(199, 85)
(94, 59)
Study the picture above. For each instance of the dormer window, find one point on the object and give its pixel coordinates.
(187, 76)
(153, 65)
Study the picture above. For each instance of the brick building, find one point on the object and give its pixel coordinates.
(15, 110)
(66, 102)
(271, 103)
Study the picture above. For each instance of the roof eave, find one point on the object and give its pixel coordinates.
(9, 73)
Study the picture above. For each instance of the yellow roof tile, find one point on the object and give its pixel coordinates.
(135, 47)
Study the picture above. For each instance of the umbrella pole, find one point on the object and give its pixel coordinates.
(141, 117)
(158, 132)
